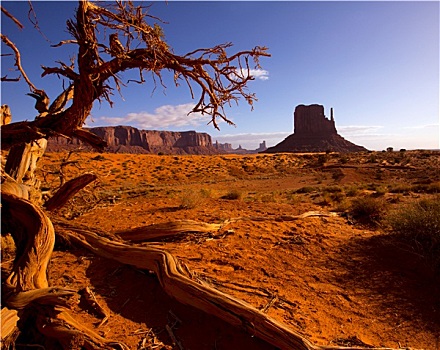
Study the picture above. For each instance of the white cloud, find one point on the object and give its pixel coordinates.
(162, 117)
(256, 73)
(358, 129)
(260, 74)
(426, 126)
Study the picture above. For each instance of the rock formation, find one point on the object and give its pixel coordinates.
(223, 147)
(127, 139)
(262, 147)
(313, 132)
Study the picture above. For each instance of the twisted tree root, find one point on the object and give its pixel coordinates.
(176, 283)
(27, 286)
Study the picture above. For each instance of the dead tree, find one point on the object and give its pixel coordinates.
(220, 78)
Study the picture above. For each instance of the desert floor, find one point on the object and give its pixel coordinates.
(332, 279)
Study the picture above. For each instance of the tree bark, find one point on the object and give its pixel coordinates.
(34, 238)
(68, 190)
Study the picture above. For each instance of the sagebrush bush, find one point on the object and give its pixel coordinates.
(191, 199)
(368, 210)
(352, 191)
(233, 195)
(419, 224)
(306, 189)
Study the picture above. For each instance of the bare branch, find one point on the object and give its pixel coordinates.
(220, 79)
(8, 42)
(68, 190)
(5, 78)
(15, 20)
(64, 42)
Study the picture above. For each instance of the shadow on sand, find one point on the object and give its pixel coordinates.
(398, 282)
(137, 296)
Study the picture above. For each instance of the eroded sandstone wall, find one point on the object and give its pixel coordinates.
(128, 139)
(312, 120)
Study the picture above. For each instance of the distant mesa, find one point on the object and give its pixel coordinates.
(227, 148)
(313, 132)
(127, 139)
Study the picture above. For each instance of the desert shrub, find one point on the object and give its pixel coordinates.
(337, 197)
(419, 224)
(427, 188)
(372, 159)
(99, 157)
(233, 195)
(368, 210)
(236, 171)
(293, 198)
(191, 199)
(306, 189)
(206, 192)
(344, 159)
(401, 188)
(343, 205)
(352, 191)
(272, 197)
(322, 159)
(380, 191)
(332, 189)
(373, 186)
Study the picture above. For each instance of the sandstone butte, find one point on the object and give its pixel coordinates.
(313, 132)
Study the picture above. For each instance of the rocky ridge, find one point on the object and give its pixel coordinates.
(127, 139)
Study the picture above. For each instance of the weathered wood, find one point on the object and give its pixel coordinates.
(18, 161)
(34, 238)
(45, 296)
(27, 287)
(73, 334)
(201, 295)
(68, 190)
(166, 230)
(10, 186)
(22, 163)
(9, 319)
(5, 115)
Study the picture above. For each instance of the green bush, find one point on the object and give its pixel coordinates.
(368, 210)
(419, 224)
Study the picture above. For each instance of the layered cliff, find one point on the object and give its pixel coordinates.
(313, 132)
(127, 139)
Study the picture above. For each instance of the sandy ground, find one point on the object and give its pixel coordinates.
(329, 278)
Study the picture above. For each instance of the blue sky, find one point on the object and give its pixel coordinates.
(376, 63)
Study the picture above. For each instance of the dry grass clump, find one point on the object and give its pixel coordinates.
(368, 210)
(431, 188)
(306, 189)
(419, 224)
(233, 195)
(191, 199)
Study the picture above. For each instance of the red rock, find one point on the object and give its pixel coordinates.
(313, 132)
(127, 139)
